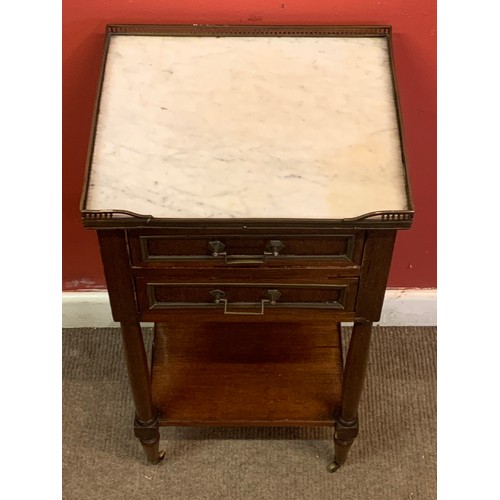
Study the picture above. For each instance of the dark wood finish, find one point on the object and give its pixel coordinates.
(154, 294)
(340, 249)
(355, 369)
(271, 315)
(149, 436)
(375, 271)
(126, 220)
(248, 30)
(280, 368)
(137, 365)
(208, 373)
(303, 274)
(116, 263)
(345, 433)
(346, 428)
(248, 294)
(146, 423)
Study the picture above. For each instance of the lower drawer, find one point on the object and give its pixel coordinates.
(245, 297)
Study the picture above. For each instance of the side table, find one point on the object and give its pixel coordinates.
(246, 184)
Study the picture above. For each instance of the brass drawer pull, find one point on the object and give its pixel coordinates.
(220, 297)
(273, 248)
(238, 259)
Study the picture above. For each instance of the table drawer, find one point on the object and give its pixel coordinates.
(271, 250)
(243, 297)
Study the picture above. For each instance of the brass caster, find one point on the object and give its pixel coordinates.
(161, 456)
(334, 467)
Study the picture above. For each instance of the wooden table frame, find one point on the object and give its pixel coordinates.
(130, 282)
(377, 255)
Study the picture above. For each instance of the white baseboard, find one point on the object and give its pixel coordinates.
(402, 307)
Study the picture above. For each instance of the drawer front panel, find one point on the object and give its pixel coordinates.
(247, 297)
(156, 250)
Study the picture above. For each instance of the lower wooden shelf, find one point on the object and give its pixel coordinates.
(248, 374)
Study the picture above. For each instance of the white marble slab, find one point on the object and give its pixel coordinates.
(247, 127)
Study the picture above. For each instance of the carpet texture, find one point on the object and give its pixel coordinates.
(394, 456)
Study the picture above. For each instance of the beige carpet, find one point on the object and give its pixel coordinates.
(394, 456)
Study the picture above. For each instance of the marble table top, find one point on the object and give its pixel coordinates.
(247, 127)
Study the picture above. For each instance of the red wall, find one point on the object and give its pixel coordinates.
(414, 28)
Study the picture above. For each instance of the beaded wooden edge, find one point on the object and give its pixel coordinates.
(242, 30)
(125, 218)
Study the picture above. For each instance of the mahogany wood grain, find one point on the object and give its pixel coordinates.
(284, 368)
(157, 294)
(164, 294)
(114, 252)
(116, 263)
(355, 369)
(146, 422)
(377, 255)
(249, 273)
(340, 249)
(207, 373)
(346, 428)
(177, 314)
(137, 366)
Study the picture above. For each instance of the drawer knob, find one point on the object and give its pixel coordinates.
(273, 295)
(274, 247)
(218, 296)
(217, 248)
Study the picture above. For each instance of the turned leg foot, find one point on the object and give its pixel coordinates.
(345, 433)
(149, 436)
(333, 467)
(346, 425)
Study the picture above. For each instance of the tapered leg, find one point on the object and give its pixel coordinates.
(346, 426)
(146, 424)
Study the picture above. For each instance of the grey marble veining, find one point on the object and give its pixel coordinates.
(247, 127)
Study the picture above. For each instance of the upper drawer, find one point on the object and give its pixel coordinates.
(149, 249)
